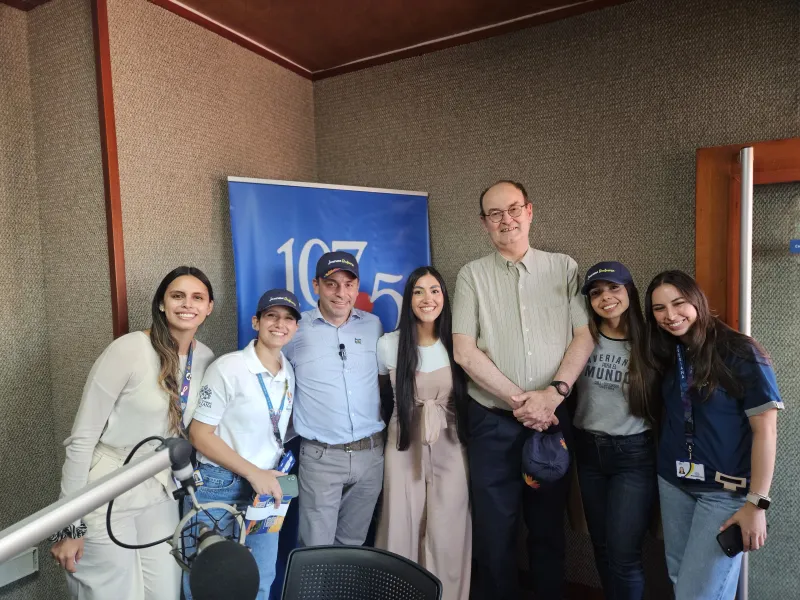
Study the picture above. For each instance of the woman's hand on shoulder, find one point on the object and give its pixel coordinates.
(67, 553)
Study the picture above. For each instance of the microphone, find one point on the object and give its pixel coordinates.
(66, 510)
(222, 569)
(342, 352)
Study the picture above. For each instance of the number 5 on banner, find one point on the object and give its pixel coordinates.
(377, 293)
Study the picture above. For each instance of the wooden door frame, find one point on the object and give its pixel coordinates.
(717, 218)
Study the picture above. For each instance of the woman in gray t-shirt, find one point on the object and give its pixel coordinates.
(615, 449)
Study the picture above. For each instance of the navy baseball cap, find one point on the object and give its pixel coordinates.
(279, 297)
(611, 270)
(545, 457)
(331, 262)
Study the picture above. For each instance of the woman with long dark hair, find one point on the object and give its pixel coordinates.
(717, 446)
(425, 512)
(140, 386)
(613, 422)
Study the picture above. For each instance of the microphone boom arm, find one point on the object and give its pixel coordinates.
(77, 505)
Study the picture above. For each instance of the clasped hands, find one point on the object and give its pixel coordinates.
(536, 410)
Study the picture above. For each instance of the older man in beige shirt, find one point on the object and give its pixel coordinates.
(521, 334)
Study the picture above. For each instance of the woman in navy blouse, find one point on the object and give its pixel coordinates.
(716, 451)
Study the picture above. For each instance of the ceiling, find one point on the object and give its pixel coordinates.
(23, 4)
(321, 38)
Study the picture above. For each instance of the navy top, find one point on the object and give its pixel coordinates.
(722, 436)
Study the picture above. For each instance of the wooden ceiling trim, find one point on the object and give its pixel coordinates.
(25, 5)
(474, 35)
(200, 19)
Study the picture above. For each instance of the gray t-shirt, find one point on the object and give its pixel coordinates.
(603, 391)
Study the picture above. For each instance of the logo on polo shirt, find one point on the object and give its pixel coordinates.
(358, 340)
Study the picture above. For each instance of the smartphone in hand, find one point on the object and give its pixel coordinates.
(730, 540)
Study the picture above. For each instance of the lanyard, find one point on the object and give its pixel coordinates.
(275, 416)
(187, 379)
(685, 372)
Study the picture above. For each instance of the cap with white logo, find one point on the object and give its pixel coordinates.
(612, 271)
(331, 262)
(279, 297)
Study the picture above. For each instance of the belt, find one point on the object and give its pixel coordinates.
(644, 436)
(367, 443)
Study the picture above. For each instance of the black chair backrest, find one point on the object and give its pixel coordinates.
(356, 573)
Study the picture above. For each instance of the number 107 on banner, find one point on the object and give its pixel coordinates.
(305, 276)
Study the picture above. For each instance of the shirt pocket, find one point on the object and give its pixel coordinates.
(360, 351)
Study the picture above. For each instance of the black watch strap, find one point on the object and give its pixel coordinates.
(562, 387)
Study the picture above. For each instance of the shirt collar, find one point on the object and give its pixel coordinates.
(254, 365)
(527, 261)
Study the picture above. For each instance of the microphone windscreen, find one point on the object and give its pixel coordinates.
(223, 571)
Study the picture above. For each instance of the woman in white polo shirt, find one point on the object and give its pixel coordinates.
(240, 424)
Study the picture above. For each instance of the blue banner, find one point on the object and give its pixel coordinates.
(281, 228)
(279, 231)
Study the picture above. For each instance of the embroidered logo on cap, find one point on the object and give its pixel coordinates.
(289, 300)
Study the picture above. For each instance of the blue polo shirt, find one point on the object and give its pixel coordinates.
(723, 439)
(336, 400)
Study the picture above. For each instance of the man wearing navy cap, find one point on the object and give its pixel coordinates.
(337, 409)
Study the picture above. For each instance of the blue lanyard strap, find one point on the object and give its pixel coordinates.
(187, 380)
(274, 416)
(685, 373)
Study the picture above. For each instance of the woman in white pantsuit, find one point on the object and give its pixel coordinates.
(138, 387)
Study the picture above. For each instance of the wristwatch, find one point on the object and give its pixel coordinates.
(759, 500)
(562, 387)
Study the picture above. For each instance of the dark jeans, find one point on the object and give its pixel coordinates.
(617, 475)
(498, 493)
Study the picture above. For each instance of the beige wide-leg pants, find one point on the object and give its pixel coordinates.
(425, 512)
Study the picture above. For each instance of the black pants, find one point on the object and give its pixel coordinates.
(498, 494)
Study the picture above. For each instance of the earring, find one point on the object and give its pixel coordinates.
(161, 308)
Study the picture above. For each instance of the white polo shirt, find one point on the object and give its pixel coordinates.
(231, 398)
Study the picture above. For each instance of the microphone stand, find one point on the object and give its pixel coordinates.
(77, 505)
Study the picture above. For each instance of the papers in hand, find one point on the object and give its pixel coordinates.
(262, 516)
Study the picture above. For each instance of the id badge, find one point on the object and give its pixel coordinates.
(690, 470)
(198, 478)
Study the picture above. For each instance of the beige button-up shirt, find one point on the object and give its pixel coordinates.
(521, 315)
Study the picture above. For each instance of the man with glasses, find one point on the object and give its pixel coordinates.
(337, 409)
(521, 333)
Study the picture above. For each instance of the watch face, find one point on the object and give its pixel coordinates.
(561, 387)
(763, 503)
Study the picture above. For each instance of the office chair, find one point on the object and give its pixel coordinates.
(356, 573)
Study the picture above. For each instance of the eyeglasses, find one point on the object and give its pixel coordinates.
(496, 215)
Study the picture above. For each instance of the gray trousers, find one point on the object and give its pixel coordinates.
(338, 493)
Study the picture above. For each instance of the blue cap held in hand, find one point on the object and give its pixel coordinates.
(545, 457)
